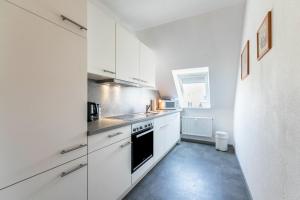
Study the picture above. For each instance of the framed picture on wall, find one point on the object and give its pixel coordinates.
(264, 36)
(245, 62)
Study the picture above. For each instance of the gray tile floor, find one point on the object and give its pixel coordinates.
(193, 172)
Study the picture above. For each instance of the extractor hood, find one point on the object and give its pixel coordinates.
(114, 81)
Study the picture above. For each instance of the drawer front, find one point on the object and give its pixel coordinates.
(52, 10)
(159, 122)
(107, 138)
(165, 120)
(172, 117)
(66, 182)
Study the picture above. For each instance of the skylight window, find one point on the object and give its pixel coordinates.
(192, 87)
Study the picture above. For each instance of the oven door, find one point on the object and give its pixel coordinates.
(141, 148)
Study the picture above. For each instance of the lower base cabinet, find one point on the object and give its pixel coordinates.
(167, 133)
(109, 173)
(66, 182)
(106, 177)
(173, 130)
(160, 138)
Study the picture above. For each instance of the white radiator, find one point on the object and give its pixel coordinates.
(197, 126)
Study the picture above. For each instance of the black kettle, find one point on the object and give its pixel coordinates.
(92, 111)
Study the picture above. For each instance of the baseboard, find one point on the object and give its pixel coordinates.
(245, 181)
(230, 146)
(197, 141)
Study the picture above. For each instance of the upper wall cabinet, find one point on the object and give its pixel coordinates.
(101, 43)
(127, 55)
(147, 66)
(115, 52)
(74, 12)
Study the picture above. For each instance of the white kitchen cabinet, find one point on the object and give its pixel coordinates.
(53, 9)
(147, 66)
(110, 171)
(160, 139)
(127, 55)
(43, 91)
(101, 43)
(167, 133)
(172, 130)
(51, 185)
(99, 141)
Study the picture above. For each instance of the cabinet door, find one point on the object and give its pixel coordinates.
(176, 127)
(101, 37)
(173, 130)
(43, 91)
(160, 139)
(51, 185)
(110, 171)
(53, 9)
(167, 133)
(147, 66)
(127, 55)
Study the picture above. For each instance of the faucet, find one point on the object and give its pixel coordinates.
(147, 108)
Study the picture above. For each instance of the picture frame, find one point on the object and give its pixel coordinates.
(264, 36)
(245, 61)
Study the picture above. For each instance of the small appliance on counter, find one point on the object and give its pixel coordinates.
(93, 111)
(153, 104)
(167, 104)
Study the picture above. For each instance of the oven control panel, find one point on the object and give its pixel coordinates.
(142, 126)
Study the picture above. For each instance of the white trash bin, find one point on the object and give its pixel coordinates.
(221, 140)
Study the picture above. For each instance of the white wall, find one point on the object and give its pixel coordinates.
(213, 40)
(267, 109)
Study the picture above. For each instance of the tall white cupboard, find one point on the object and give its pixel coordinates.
(43, 91)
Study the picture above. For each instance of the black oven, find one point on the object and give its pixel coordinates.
(142, 145)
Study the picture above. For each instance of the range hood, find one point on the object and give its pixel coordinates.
(114, 81)
(104, 80)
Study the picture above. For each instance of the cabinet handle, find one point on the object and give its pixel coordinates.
(115, 134)
(126, 144)
(107, 71)
(73, 22)
(73, 170)
(73, 148)
(140, 80)
(142, 134)
(163, 126)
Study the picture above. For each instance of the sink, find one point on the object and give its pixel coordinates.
(149, 114)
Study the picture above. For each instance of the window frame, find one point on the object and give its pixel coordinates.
(179, 85)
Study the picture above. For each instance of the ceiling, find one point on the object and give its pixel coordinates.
(142, 14)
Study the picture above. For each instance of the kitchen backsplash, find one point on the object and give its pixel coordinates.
(119, 100)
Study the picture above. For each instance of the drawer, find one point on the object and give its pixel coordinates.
(165, 120)
(159, 122)
(66, 182)
(172, 117)
(104, 139)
